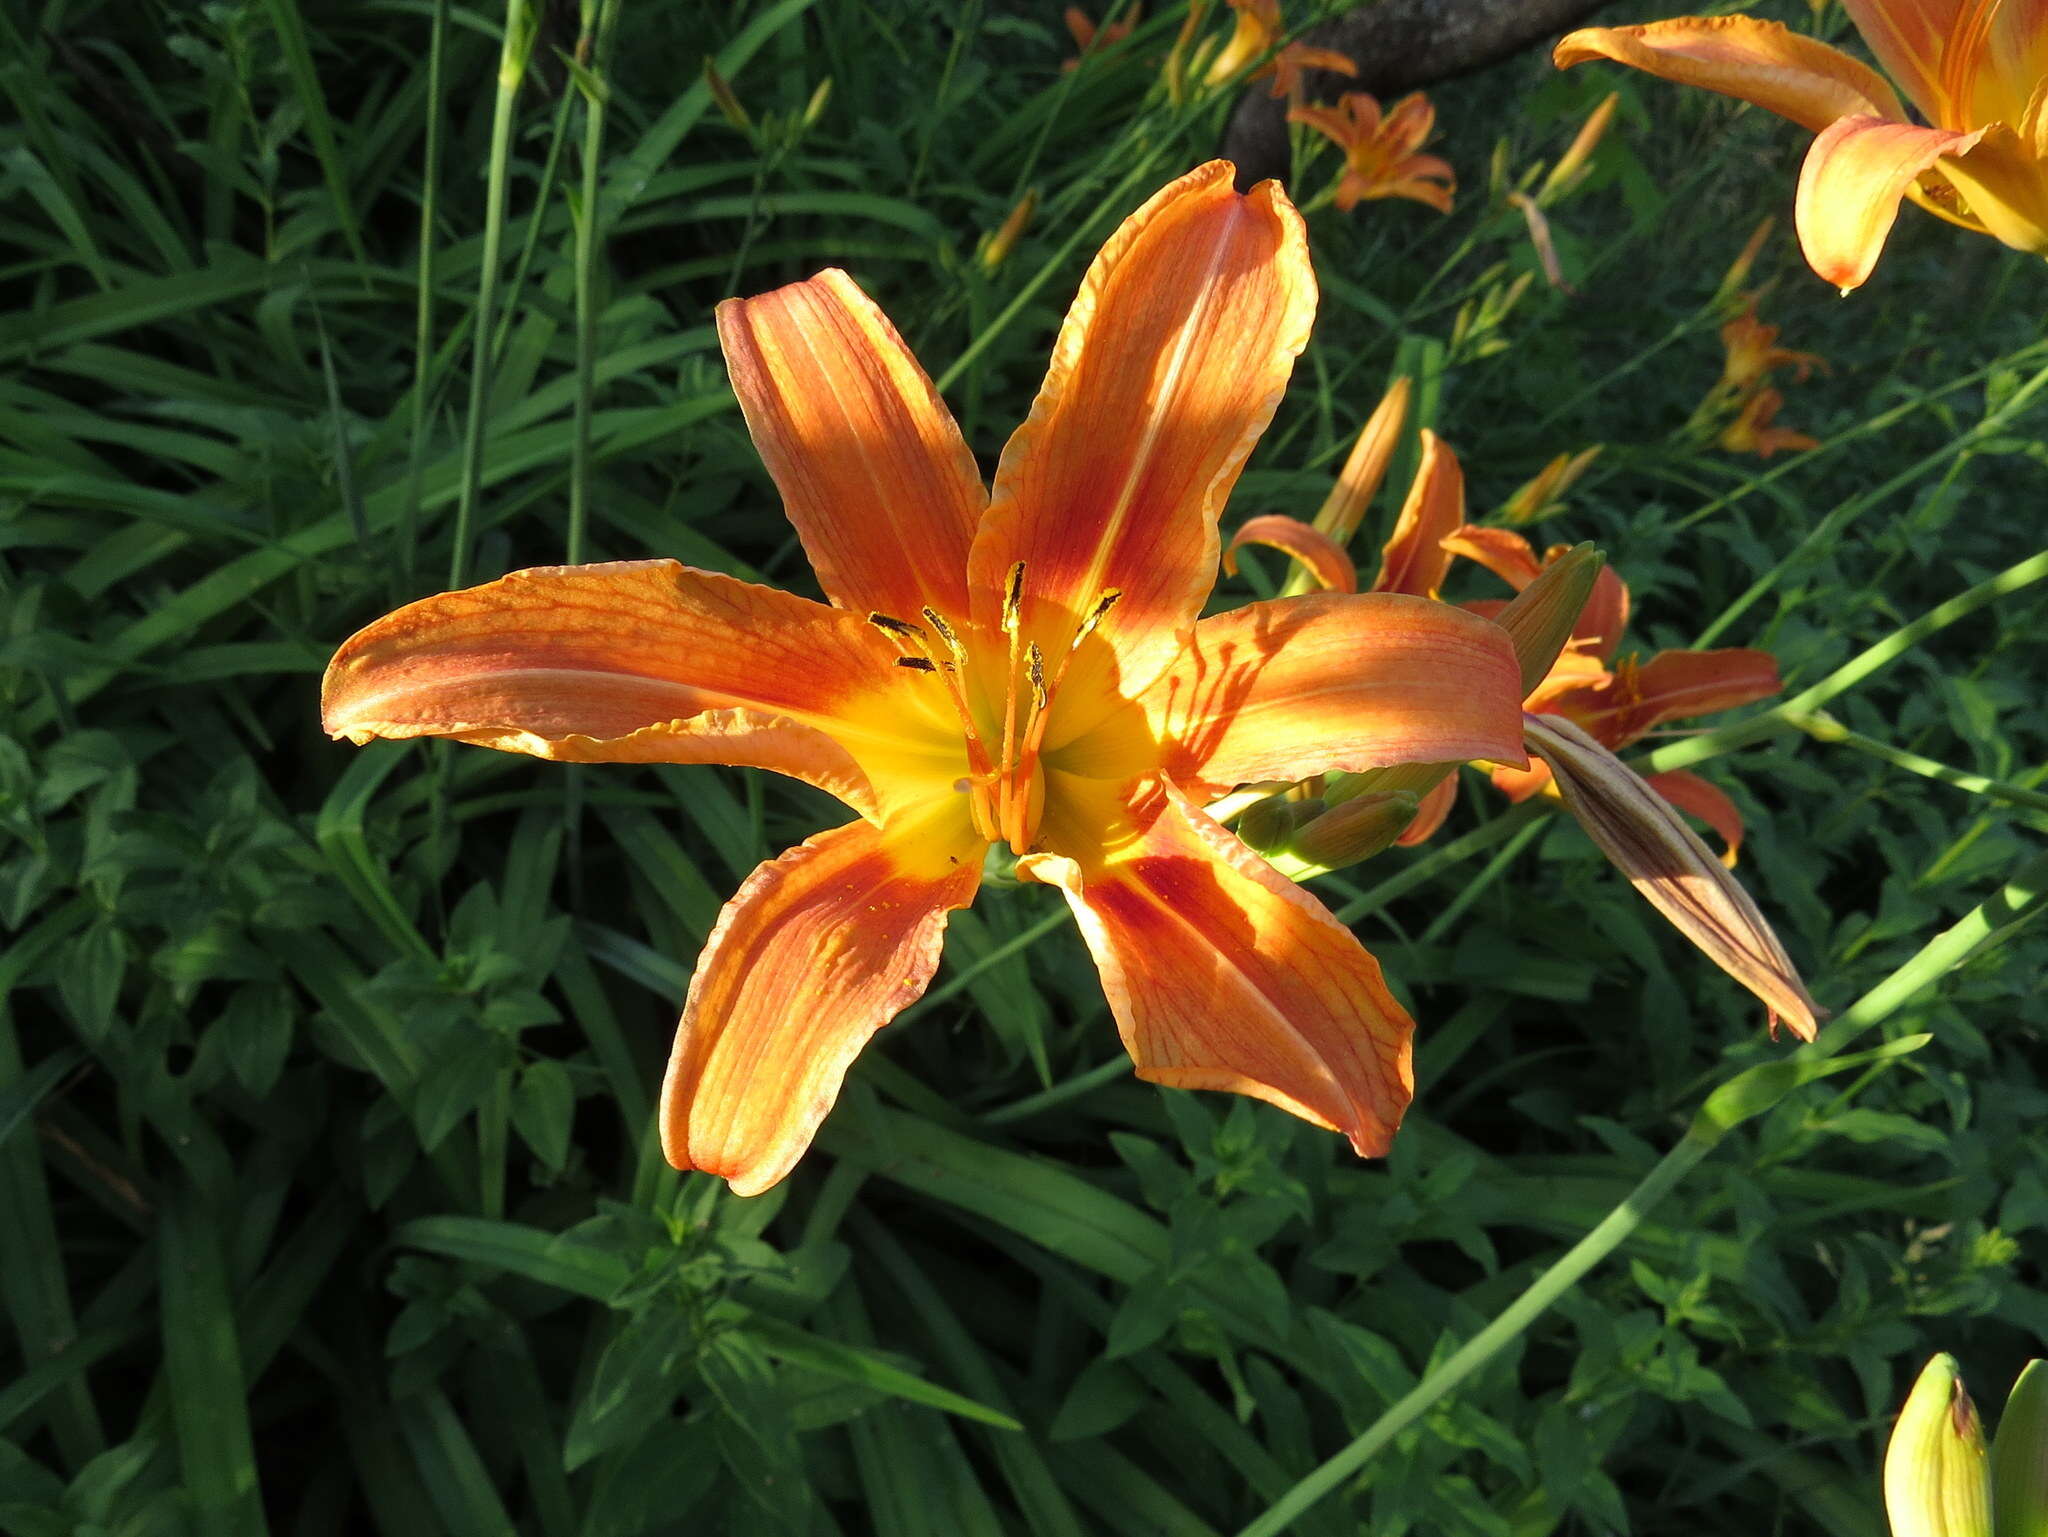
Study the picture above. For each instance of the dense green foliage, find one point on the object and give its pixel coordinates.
(327, 1184)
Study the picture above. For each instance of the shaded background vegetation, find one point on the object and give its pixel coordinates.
(329, 1196)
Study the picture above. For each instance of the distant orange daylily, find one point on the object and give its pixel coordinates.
(1972, 67)
(1753, 352)
(1751, 431)
(1088, 38)
(1380, 158)
(1023, 668)
(1255, 29)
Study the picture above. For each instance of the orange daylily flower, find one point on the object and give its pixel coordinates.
(1256, 29)
(1379, 149)
(1752, 433)
(1972, 67)
(1024, 667)
(1753, 351)
(1288, 64)
(1088, 37)
(1618, 703)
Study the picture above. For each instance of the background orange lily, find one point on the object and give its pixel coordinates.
(1380, 149)
(1972, 67)
(1024, 667)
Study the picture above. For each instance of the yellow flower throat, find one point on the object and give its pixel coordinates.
(1006, 793)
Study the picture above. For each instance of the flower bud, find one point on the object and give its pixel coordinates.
(1935, 1480)
(1738, 270)
(1539, 619)
(1366, 467)
(1356, 830)
(1566, 172)
(1270, 824)
(996, 249)
(1539, 495)
(2019, 1457)
(815, 107)
(722, 94)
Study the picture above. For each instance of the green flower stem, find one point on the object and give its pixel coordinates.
(1725, 739)
(1750, 1093)
(511, 71)
(1116, 1067)
(1017, 943)
(423, 311)
(1116, 197)
(1427, 868)
(1823, 727)
(586, 275)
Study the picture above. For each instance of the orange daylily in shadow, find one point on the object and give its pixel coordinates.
(1380, 158)
(1023, 667)
(1089, 38)
(1972, 67)
(1619, 702)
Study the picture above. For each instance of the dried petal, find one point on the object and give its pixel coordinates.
(1665, 860)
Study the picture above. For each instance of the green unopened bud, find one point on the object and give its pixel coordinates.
(1270, 824)
(1356, 830)
(1539, 620)
(815, 107)
(1936, 1483)
(2019, 1457)
(728, 103)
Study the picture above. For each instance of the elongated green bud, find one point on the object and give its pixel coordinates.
(1936, 1483)
(2019, 1457)
(1356, 830)
(1540, 617)
(1270, 824)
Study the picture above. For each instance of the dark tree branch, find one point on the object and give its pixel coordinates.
(1398, 45)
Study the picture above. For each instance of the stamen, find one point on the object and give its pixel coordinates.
(937, 621)
(888, 624)
(917, 663)
(1097, 614)
(1036, 672)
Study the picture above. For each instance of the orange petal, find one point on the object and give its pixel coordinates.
(872, 468)
(560, 660)
(1223, 974)
(1429, 816)
(1620, 707)
(1507, 554)
(817, 951)
(1323, 557)
(1301, 686)
(1763, 62)
(1908, 37)
(1605, 615)
(1168, 368)
(1706, 800)
(1850, 186)
(1414, 560)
